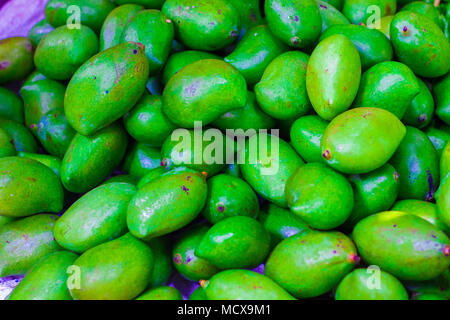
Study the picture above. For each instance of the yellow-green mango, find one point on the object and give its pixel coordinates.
(16, 59)
(161, 293)
(420, 111)
(22, 138)
(306, 134)
(441, 95)
(362, 11)
(39, 31)
(141, 159)
(443, 201)
(11, 106)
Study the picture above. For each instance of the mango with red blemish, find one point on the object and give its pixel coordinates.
(16, 59)
(365, 12)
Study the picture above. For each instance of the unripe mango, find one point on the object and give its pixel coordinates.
(161, 293)
(39, 31)
(141, 159)
(21, 137)
(330, 15)
(7, 148)
(306, 134)
(420, 111)
(361, 12)
(443, 201)
(16, 59)
(11, 106)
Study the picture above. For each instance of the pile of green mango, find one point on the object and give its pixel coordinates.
(346, 197)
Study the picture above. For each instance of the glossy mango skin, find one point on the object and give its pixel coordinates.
(330, 15)
(16, 59)
(203, 24)
(47, 279)
(444, 163)
(202, 91)
(281, 93)
(90, 159)
(115, 23)
(361, 140)
(443, 201)
(235, 242)
(421, 109)
(150, 175)
(166, 204)
(426, 9)
(155, 31)
(311, 264)
(39, 31)
(132, 260)
(106, 87)
(243, 285)
(320, 196)
(439, 135)
(92, 13)
(254, 52)
(357, 286)
(306, 134)
(184, 258)
(11, 106)
(330, 90)
(7, 148)
(417, 162)
(297, 24)
(162, 266)
(402, 244)
(52, 162)
(249, 13)
(28, 187)
(442, 99)
(149, 4)
(427, 53)
(357, 10)
(21, 137)
(161, 293)
(372, 45)
(26, 241)
(141, 159)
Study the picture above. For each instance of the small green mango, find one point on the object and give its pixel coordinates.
(403, 244)
(444, 163)
(235, 242)
(442, 98)
(22, 138)
(202, 91)
(162, 267)
(330, 15)
(443, 201)
(28, 187)
(132, 260)
(362, 11)
(16, 59)
(149, 4)
(7, 148)
(161, 293)
(52, 162)
(306, 134)
(421, 109)
(47, 280)
(439, 135)
(249, 13)
(198, 294)
(90, 159)
(361, 140)
(39, 31)
(426, 9)
(26, 241)
(11, 106)
(141, 159)
(311, 264)
(150, 175)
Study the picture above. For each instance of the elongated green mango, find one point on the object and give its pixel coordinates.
(306, 134)
(442, 98)
(161, 293)
(11, 106)
(39, 31)
(363, 11)
(330, 15)
(421, 109)
(16, 59)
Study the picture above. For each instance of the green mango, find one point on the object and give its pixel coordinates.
(249, 13)
(311, 264)
(229, 196)
(233, 170)
(235, 242)
(11, 106)
(439, 135)
(296, 23)
(257, 48)
(155, 31)
(47, 280)
(186, 262)
(4, 220)
(444, 163)
(426, 9)
(132, 260)
(417, 162)
(147, 123)
(385, 26)
(149, 4)
(330, 89)
(90, 159)
(439, 285)
(141, 159)
(123, 178)
(202, 91)
(443, 201)
(22, 138)
(28, 187)
(7, 148)
(162, 267)
(39, 31)
(330, 15)
(421, 109)
(320, 196)
(306, 134)
(59, 61)
(166, 204)
(103, 209)
(427, 53)
(26, 241)
(372, 45)
(150, 175)
(198, 294)
(370, 284)
(374, 192)
(361, 140)
(408, 247)
(243, 285)
(91, 12)
(207, 25)
(52, 162)
(359, 11)
(338, 4)
(281, 224)
(115, 24)
(16, 59)
(161, 293)
(268, 163)
(281, 93)
(442, 98)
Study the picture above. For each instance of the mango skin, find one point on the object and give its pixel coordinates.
(198, 294)
(426, 53)
(150, 175)
(385, 26)
(162, 266)
(7, 148)
(161, 293)
(361, 140)
(241, 285)
(249, 13)
(106, 87)
(298, 24)
(39, 31)
(442, 98)
(123, 178)
(4, 220)
(47, 279)
(28, 187)
(207, 25)
(149, 4)
(443, 201)
(16, 59)
(330, 90)
(320, 196)
(52, 162)
(356, 10)
(59, 61)
(21, 137)
(311, 264)
(235, 242)
(421, 109)
(306, 134)
(330, 15)
(26, 241)
(355, 286)
(202, 91)
(402, 244)
(338, 4)
(417, 162)
(166, 204)
(11, 106)
(444, 163)
(141, 159)
(426, 9)
(90, 159)
(132, 259)
(438, 134)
